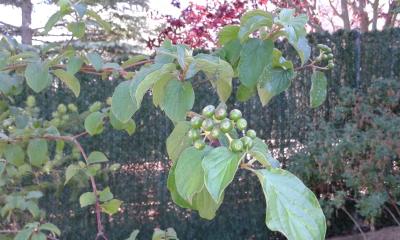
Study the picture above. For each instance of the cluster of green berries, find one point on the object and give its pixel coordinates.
(213, 122)
(61, 116)
(325, 55)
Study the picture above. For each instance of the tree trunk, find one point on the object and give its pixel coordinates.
(26, 31)
(363, 15)
(391, 16)
(345, 15)
(375, 16)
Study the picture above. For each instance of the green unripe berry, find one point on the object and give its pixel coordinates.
(65, 118)
(55, 114)
(324, 57)
(220, 113)
(194, 134)
(330, 56)
(331, 65)
(95, 107)
(215, 133)
(247, 142)
(251, 133)
(62, 108)
(208, 111)
(199, 144)
(235, 114)
(236, 145)
(321, 46)
(196, 122)
(72, 107)
(226, 126)
(208, 124)
(31, 101)
(241, 124)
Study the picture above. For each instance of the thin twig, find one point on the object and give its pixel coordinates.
(391, 214)
(355, 222)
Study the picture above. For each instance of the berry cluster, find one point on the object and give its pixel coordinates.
(325, 54)
(214, 122)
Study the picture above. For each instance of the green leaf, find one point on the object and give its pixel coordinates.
(166, 53)
(292, 208)
(71, 171)
(318, 89)
(10, 85)
(81, 9)
(34, 195)
(220, 166)
(77, 29)
(231, 52)
(14, 154)
(111, 207)
(302, 48)
(37, 76)
(33, 208)
(184, 56)
(227, 34)
(178, 140)
(97, 157)
(123, 106)
(51, 228)
(105, 25)
(255, 62)
(94, 123)
(189, 174)
(70, 80)
(133, 60)
(24, 234)
(243, 93)
(37, 152)
(252, 21)
(87, 198)
(171, 185)
(74, 65)
(167, 71)
(105, 195)
(205, 204)
(52, 22)
(38, 236)
(133, 235)
(129, 126)
(218, 72)
(96, 60)
(179, 101)
(260, 152)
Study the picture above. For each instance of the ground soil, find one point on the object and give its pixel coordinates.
(389, 233)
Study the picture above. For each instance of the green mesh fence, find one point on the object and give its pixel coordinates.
(141, 182)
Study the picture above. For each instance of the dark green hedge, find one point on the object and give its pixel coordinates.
(141, 183)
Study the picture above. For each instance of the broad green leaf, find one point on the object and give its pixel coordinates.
(77, 29)
(52, 22)
(105, 195)
(171, 185)
(255, 62)
(81, 9)
(92, 170)
(243, 93)
(70, 80)
(166, 53)
(159, 89)
(167, 71)
(205, 204)
(260, 152)
(97, 157)
(292, 208)
(14, 154)
(220, 166)
(37, 76)
(227, 34)
(111, 207)
(178, 140)
(74, 65)
(123, 106)
(302, 48)
(96, 60)
(71, 171)
(129, 126)
(10, 85)
(133, 235)
(37, 152)
(24, 234)
(179, 101)
(252, 21)
(218, 72)
(33, 208)
(87, 198)
(51, 228)
(189, 174)
(133, 60)
(231, 52)
(105, 25)
(94, 123)
(34, 195)
(318, 89)
(38, 236)
(184, 56)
